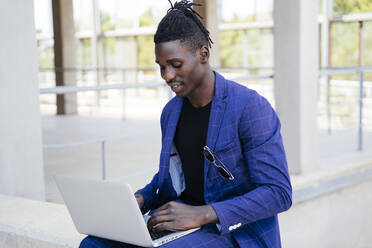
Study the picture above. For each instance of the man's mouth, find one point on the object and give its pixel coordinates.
(176, 86)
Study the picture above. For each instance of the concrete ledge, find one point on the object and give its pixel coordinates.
(331, 212)
(328, 182)
(328, 211)
(34, 224)
(339, 219)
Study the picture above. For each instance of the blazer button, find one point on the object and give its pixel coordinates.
(231, 228)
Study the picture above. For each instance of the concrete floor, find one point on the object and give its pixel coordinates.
(132, 149)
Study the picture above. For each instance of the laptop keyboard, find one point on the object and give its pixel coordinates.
(157, 235)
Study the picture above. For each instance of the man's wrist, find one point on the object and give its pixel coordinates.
(140, 200)
(209, 216)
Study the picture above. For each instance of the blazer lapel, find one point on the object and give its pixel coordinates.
(171, 126)
(216, 116)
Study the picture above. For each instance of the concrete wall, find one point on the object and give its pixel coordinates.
(34, 224)
(296, 62)
(336, 217)
(21, 164)
(341, 219)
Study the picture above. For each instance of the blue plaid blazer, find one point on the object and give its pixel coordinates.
(244, 133)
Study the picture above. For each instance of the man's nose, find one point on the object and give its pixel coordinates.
(169, 74)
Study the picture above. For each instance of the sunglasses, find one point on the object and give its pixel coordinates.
(224, 172)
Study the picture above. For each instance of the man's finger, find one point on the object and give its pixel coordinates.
(163, 226)
(166, 206)
(155, 220)
(161, 212)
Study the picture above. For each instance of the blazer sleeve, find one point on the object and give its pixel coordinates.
(259, 134)
(150, 193)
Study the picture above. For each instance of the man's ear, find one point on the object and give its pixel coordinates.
(204, 54)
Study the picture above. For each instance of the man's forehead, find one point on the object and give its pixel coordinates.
(172, 49)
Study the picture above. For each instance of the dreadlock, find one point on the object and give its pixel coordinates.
(183, 23)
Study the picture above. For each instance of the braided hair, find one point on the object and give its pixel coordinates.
(183, 23)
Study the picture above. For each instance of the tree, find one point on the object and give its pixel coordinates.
(351, 6)
(145, 44)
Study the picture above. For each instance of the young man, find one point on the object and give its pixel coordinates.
(222, 165)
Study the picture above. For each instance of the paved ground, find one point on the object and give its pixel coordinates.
(132, 149)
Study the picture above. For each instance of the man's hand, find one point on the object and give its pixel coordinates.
(179, 216)
(140, 200)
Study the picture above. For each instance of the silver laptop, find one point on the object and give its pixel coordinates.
(109, 210)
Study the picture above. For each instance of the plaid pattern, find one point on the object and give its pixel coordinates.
(244, 132)
(207, 237)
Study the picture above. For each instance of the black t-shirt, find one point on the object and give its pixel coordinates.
(190, 138)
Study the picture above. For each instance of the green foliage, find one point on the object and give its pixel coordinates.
(367, 42)
(231, 48)
(260, 46)
(345, 37)
(109, 44)
(146, 56)
(106, 23)
(84, 52)
(45, 61)
(351, 6)
(45, 55)
(345, 47)
(345, 44)
(146, 18)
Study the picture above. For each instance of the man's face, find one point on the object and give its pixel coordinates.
(180, 67)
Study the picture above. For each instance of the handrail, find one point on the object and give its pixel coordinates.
(344, 70)
(87, 142)
(75, 89)
(349, 70)
(95, 68)
(322, 70)
(72, 89)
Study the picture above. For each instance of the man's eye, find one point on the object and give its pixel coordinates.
(178, 65)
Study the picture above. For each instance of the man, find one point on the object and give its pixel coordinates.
(233, 193)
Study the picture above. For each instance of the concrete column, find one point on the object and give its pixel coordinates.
(209, 11)
(296, 61)
(327, 15)
(21, 160)
(64, 53)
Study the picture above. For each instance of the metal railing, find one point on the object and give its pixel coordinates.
(329, 71)
(132, 85)
(326, 71)
(103, 141)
